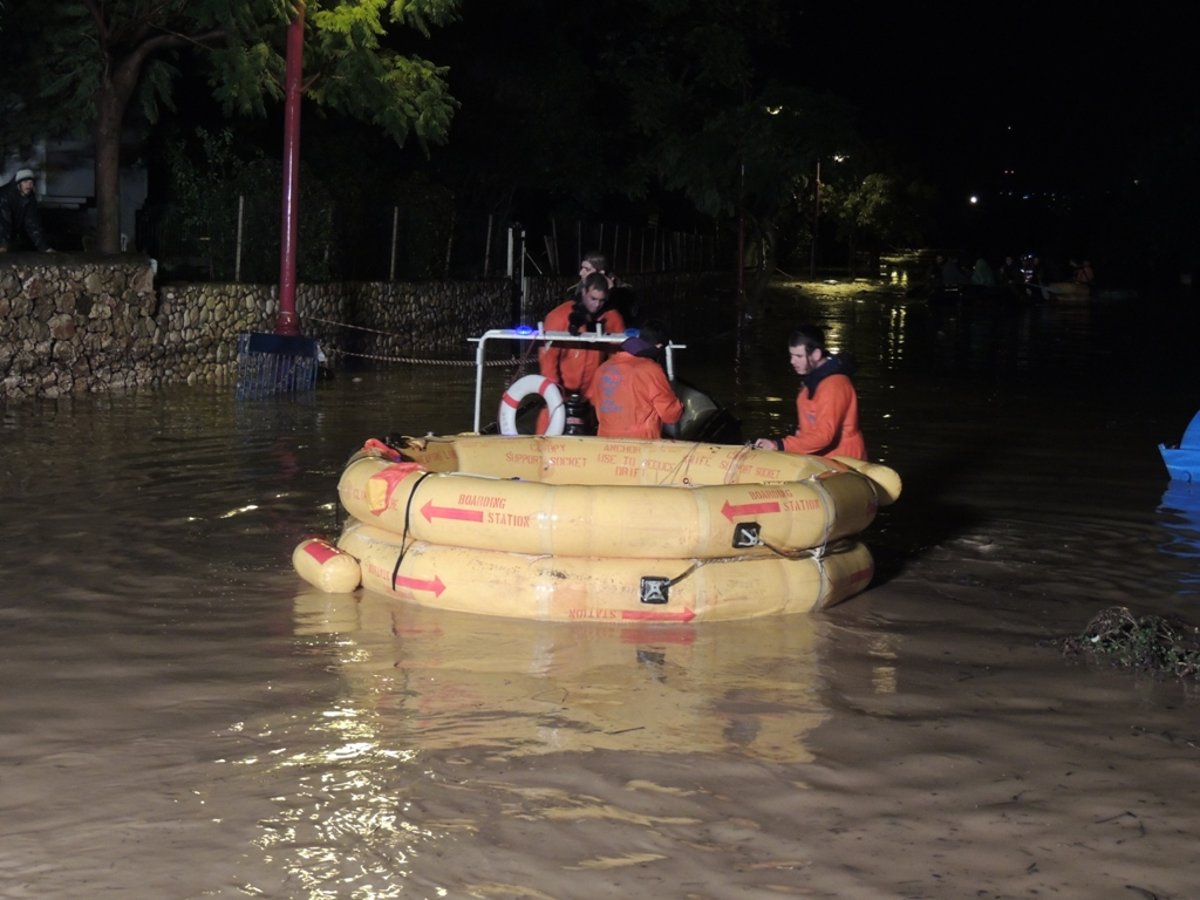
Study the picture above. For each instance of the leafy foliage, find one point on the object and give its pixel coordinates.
(346, 226)
(209, 174)
(676, 114)
(87, 61)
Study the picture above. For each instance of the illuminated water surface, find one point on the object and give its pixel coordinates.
(182, 717)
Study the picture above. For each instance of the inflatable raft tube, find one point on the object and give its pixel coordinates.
(618, 590)
(705, 521)
(595, 460)
(326, 567)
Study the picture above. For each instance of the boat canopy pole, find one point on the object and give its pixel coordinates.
(528, 334)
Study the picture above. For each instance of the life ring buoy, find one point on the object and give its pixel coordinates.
(526, 387)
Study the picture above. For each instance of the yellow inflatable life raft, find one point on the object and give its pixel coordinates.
(565, 588)
(591, 528)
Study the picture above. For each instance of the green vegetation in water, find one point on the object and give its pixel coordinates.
(1149, 643)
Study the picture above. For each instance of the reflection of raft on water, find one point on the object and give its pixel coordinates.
(565, 528)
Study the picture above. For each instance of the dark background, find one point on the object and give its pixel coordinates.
(1073, 126)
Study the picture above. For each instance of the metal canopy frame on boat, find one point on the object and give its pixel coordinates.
(528, 334)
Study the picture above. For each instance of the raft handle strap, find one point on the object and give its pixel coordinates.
(817, 554)
(404, 536)
(827, 506)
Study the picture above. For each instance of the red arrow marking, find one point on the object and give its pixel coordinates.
(748, 509)
(645, 615)
(421, 584)
(430, 512)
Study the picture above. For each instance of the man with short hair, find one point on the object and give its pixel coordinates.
(573, 365)
(826, 405)
(19, 221)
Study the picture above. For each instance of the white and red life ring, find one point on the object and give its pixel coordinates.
(527, 386)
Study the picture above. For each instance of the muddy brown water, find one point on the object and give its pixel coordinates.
(181, 717)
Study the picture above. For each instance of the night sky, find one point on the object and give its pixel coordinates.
(1075, 125)
(1052, 91)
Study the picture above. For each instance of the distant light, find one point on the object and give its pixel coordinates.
(973, 200)
(773, 110)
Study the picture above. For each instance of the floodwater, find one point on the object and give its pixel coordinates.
(182, 717)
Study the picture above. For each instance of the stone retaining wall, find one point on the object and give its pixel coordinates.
(74, 323)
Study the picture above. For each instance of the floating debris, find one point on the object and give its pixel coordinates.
(1149, 643)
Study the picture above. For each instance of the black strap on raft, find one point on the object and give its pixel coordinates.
(816, 553)
(404, 537)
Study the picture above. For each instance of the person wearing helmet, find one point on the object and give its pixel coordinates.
(19, 220)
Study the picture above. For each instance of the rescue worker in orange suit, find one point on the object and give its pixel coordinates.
(826, 405)
(631, 393)
(573, 365)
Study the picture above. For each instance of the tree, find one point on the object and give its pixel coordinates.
(704, 81)
(88, 61)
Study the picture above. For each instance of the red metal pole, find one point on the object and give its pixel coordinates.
(288, 323)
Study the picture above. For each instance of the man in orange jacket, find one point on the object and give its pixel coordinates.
(573, 365)
(827, 404)
(630, 392)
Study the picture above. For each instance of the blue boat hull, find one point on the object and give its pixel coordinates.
(1183, 462)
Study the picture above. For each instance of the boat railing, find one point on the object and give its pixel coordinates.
(528, 333)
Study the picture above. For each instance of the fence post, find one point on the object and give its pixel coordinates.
(450, 239)
(553, 248)
(237, 259)
(395, 241)
(487, 248)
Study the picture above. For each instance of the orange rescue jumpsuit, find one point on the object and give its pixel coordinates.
(827, 414)
(633, 398)
(573, 365)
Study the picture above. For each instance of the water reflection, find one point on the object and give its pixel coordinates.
(372, 775)
(1180, 515)
(524, 688)
(184, 723)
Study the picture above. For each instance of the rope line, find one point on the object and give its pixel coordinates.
(348, 325)
(427, 362)
(418, 360)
